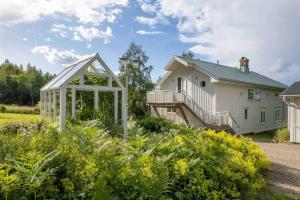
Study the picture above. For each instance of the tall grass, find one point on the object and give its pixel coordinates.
(20, 109)
(282, 135)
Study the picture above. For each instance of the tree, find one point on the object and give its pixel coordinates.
(19, 86)
(188, 54)
(139, 79)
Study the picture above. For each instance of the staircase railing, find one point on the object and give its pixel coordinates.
(169, 96)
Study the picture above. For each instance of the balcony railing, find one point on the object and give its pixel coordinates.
(169, 97)
(165, 96)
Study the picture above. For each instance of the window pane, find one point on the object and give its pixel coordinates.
(250, 94)
(246, 113)
(257, 95)
(179, 84)
(263, 117)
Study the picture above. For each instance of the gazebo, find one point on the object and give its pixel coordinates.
(53, 95)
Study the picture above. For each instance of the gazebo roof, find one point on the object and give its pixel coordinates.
(70, 71)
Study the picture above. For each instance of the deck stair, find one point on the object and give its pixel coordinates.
(217, 121)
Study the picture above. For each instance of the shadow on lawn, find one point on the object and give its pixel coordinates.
(284, 179)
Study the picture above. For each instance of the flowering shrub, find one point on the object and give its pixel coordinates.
(282, 135)
(87, 163)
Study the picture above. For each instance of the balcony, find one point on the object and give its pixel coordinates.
(165, 97)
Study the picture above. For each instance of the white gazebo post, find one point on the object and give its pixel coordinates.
(116, 107)
(124, 113)
(45, 105)
(42, 110)
(73, 102)
(49, 105)
(62, 99)
(96, 100)
(54, 105)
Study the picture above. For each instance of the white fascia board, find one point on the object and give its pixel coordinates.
(175, 58)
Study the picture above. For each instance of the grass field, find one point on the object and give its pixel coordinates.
(11, 117)
(265, 136)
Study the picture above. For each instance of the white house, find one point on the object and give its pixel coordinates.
(292, 97)
(215, 96)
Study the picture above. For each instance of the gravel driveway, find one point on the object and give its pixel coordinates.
(284, 176)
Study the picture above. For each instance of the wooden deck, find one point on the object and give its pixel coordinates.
(169, 98)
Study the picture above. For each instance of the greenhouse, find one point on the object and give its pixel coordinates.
(60, 98)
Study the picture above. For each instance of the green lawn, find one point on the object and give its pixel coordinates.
(11, 117)
(263, 137)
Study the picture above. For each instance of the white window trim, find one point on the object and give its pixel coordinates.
(247, 113)
(171, 110)
(263, 123)
(257, 91)
(277, 111)
(252, 94)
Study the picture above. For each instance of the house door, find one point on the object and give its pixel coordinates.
(189, 86)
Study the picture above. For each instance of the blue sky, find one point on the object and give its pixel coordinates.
(51, 33)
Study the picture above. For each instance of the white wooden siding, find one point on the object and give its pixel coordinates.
(191, 86)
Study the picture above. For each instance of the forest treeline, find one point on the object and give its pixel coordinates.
(20, 85)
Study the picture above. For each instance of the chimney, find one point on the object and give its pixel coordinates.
(244, 64)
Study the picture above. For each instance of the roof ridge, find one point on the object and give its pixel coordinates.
(225, 72)
(79, 61)
(198, 60)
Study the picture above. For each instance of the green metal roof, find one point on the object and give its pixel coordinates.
(226, 73)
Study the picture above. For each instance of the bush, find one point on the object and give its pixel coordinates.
(282, 135)
(17, 127)
(87, 163)
(155, 124)
(2, 109)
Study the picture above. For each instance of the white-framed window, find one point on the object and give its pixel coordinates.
(171, 109)
(257, 96)
(250, 94)
(263, 117)
(277, 115)
(245, 113)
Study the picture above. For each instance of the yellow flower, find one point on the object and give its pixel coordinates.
(178, 139)
(182, 167)
(147, 171)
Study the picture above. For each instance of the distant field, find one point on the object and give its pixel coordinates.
(12, 117)
(19, 109)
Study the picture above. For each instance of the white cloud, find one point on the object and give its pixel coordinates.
(88, 45)
(152, 21)
(55, 56)
(265, 31)
(147, 6)
(48, 40)
(60, 29)
(143, 32)
(25, 39)
(82, 33)
(86, 11)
